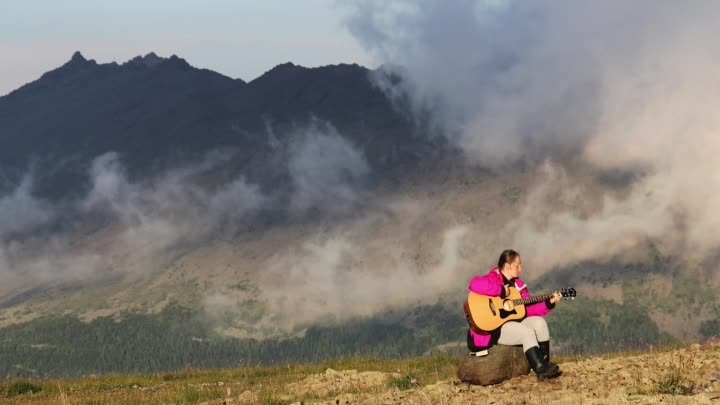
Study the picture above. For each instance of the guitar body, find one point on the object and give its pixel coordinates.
(485, 313)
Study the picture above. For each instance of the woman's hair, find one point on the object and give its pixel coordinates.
(507, 256)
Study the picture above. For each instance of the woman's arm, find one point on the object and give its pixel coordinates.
(538, 309)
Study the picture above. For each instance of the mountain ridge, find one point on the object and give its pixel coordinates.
(151, 109)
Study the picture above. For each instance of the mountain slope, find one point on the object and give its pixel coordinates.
(155, 112)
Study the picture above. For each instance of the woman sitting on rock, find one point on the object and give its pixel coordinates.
(531, 332)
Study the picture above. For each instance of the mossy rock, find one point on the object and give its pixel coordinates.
(501, 363)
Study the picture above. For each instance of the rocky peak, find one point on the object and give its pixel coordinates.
(149, 60)
(78, 60)
(77, 57)
(76, 65)
(281, 70)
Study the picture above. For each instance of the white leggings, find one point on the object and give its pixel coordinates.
(527, 332)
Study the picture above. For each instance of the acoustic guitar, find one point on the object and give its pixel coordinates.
(485, 313)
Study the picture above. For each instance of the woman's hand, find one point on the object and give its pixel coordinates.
(555, 298)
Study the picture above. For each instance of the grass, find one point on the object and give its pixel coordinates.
(675, 382)
(404, 382)
(664, 348)
(266, 385)
(680, 378)
(197, 386)
(21, 388)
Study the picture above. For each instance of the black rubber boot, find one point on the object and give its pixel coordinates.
(545, 349)
(539, 365)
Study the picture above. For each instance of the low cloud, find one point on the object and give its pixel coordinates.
(612, 87)
(346, 275)
(21, 212)
(327, 171)
(132, 227)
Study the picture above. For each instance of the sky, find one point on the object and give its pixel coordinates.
(238, 38)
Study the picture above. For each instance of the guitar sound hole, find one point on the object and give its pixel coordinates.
(505, 313)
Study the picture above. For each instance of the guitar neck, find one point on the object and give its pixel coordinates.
(533, 300)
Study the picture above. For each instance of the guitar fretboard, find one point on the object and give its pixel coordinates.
(533, 300)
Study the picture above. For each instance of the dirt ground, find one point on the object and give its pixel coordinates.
(681, 376)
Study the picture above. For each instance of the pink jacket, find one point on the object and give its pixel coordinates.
(491, 284)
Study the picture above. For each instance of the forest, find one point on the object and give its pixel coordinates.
(178, 338)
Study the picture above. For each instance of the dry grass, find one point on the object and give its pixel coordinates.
(676, 375)
(198, 386)
(679, 377)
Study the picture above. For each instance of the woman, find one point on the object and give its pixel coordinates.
(531, 332)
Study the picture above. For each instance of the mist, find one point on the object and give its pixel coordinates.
(348, 271)
(123, 228)
(20, 211)
(327, 171)
(613, 87)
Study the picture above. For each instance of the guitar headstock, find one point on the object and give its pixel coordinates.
(568, 293)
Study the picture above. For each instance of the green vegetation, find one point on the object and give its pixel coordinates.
(21, 388)
(404, 382)
(710, 328)
(178, 338)
(597, 326)
(512, 194)
(195, 386)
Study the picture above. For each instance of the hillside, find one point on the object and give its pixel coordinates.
(158, 113)
(685, 375)
(229, 301)
(304, 206)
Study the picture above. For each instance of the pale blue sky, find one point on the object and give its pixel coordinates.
(238, 38)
